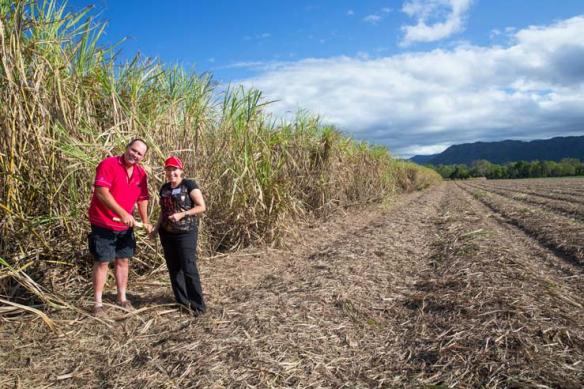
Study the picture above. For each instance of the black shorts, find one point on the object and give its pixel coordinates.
(107, 245)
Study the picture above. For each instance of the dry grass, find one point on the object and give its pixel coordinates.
(430, 292)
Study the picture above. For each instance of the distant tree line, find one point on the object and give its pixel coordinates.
(521, 169)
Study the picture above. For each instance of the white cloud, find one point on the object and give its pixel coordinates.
(532, 88)
(435, 19)
(257, 37)
(377, 16)
(495, 33)
(424, 150)
(350, 12)
(363, 55)
(248, 64)
(373, 19)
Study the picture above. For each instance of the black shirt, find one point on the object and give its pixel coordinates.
(173, 200)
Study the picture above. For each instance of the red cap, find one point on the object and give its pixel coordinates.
(173, 162)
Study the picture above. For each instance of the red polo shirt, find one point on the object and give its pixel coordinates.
(111, 173)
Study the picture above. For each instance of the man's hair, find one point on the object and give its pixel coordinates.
(137, 140)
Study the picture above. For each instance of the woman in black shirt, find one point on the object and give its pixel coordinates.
(181, 201)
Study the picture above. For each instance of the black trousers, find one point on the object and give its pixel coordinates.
(180, 253)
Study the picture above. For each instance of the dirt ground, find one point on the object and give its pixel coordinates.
(439, 289)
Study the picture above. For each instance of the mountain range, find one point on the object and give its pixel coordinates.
(553, 149)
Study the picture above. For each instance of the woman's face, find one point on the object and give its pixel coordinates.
(173, 175)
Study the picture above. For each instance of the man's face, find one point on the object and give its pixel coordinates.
(135, 153)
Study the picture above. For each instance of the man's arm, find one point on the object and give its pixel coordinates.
(103, 194)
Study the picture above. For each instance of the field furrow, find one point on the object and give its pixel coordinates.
(573, 187)
(484, 312)
(554, 231)
(569, 209)
(573, 199)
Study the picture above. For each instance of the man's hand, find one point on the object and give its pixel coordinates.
(128, 220)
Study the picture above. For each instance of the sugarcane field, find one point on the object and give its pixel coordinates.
(160, 228)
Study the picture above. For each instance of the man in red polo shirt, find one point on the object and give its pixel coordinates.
(120, 183)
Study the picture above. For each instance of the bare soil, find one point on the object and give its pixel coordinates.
(438, 289)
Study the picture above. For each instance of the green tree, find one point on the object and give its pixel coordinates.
(461, 172)
(482, 168)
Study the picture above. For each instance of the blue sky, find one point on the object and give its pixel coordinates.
(414, 75)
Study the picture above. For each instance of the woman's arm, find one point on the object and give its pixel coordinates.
(199, 206)
(156, 228)
(199, 202)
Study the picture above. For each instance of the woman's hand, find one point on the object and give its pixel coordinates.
(153, 232)
(176, 217)
(149, 228)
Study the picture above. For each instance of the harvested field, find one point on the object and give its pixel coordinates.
(567, 208)
(563, 234)
(438, 288)
(543, 193)
(567, 189)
